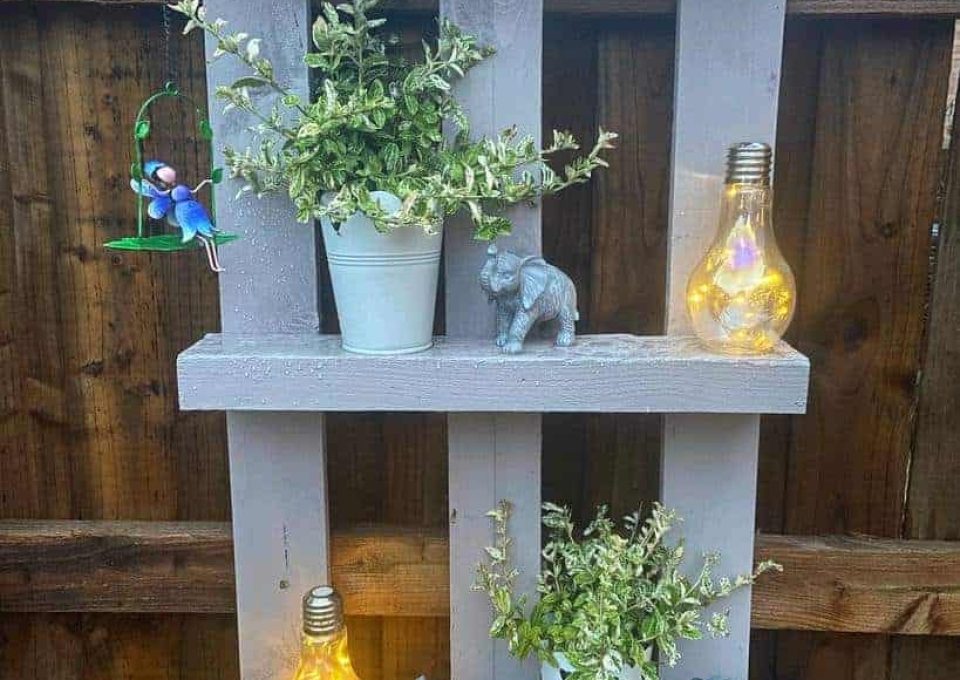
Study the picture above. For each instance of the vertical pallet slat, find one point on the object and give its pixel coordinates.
(277, 460)
(492, 457)
(726, 91)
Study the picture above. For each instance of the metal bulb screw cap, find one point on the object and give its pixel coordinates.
(749, 163)
(322, 611)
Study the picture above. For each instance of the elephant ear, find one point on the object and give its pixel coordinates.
(533, 280)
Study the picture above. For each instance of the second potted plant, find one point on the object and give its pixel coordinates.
(613, 602)
(369, 159)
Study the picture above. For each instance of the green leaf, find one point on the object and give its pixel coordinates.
(206, 130)
(136, 172)
(216, 176)
(142, 129)
(251, 82)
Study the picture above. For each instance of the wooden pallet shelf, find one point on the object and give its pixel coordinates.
(601, 373)
(276, 388)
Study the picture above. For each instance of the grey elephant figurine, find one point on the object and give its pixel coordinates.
(528, 291)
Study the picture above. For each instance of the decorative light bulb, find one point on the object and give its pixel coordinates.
(324, 654)
(742, 294)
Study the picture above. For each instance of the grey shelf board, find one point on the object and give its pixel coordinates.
(601, 373)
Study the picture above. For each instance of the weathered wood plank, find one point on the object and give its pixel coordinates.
(93, 429)
(796, 131)
(89, 566)
(851, 584)
(860, 314)
(629, 8)
(933, 496)
(118, 646)
(864, 275)
(605, 373)
(859, 585)
(933, 500)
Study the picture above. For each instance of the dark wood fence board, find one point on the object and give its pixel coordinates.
(93, 430)
(863, 276)
(864, 271)
(840, 583)
(933, 503)
(617, 251)
(933, 495)
(36, 456)
(796, 131)
(118, 647)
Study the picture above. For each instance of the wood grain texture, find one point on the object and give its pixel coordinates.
(860, 585)
(93, 335)
(110, 566)
(606, 373)
(633, 8)
(852, 584)
(865, 270)
(933, 502)
(863, 274)
(796, 131)
(391, 468)
(89, 426)
(118, 647)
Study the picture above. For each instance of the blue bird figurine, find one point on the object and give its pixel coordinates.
(178, 204)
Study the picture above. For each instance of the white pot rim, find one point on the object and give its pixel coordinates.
(389, 202)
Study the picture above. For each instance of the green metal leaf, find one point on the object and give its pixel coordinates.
(166, 243)
(206, 131)
(142, 130)
(252, 82)
(216, 176)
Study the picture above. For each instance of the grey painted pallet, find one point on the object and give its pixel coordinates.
(602, 373)
(727, 88)
(276, 386)
(277, 460)
(501, 450)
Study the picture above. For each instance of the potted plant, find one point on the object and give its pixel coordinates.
(368, 158)
(612, 601)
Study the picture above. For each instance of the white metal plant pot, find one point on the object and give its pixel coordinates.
(548, 672)
(384, 284)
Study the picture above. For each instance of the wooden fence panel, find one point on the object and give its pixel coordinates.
(862, 264)
(933, 498)
(89, 426)
(118, 647)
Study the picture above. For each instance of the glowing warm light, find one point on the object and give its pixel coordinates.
(325, 657)
(741, 296)
(324, 653)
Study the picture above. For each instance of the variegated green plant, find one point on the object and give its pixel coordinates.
(375, 123)
(608, 598)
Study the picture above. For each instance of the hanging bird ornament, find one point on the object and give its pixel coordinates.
(178, 204)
